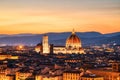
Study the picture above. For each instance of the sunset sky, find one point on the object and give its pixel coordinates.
(41, 16)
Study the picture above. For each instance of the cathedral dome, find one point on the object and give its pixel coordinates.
(73, 41)
(38, 47)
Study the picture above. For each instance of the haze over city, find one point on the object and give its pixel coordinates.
(41, 16)
(59, 39)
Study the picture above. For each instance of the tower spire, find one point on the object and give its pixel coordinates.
(73, 31)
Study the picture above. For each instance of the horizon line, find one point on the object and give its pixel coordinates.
(59, 32)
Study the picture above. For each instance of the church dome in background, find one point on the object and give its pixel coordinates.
(38, 47)
(73, 41)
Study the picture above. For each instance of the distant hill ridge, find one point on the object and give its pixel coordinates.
(87, 38)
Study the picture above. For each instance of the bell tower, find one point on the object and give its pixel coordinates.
(45, 45)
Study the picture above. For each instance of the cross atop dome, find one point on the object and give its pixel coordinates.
(73, 31)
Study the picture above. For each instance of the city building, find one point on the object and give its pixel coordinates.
(71, 75)
(73, 45)
(91, 77)
(39, 48)
(108, 73)
(4, 56)
(43, 77)
(45, 44)
(24, 75)
(6, 77)
(3, 73)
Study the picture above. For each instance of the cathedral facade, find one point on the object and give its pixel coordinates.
(72, 45)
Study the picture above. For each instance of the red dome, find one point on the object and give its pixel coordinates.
(73, 41)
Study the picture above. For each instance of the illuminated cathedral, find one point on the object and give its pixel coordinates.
(72, 45)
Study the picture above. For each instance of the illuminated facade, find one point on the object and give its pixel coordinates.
(44, 77)
(109, 73)
(91, 77)
(6, 56)
(53, 78)
(3, 73)
(74, 75)
(45, 44)
(6, 77)
(73, 45)
(38, 77)
(78, 75)
(23, 75)
(39, 48)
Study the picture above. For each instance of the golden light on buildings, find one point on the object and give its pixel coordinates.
(20, 47)
(37, 49)
(4, 56)
(73, 45)
(45, 44)
(118, 78)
